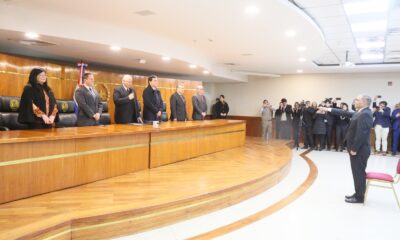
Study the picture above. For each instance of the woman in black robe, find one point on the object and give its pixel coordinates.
(38, 107)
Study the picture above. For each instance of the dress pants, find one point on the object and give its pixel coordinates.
(358, 166)
(340, 134)
(395, 142)
(266, 129)
(284, 129)
(329, 129)
(381, 134)
(308, 137)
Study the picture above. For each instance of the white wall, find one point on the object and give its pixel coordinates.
(245, 98)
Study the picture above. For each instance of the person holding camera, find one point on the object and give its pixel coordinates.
(283, 116)
(396, 128)
(296, 123)
(330, 122)
(381, 125)
(308, 113)
(266, 113)
(342, 124)
(319, 128)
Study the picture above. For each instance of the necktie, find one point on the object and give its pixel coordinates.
(92, 93)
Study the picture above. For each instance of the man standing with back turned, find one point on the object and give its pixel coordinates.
(358, 143)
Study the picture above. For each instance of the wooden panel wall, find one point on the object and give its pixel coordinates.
(62, 78)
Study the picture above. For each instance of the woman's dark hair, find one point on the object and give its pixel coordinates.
(344, 104)
(384, 103)
(33, 79)
(222, 96)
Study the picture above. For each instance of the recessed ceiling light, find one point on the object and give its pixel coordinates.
(301, 48)
(166, 58)
(370, 44)
(192, 66)
(370, 26)
(142, 61)
(302, 59)
(290, 33)
(31, 35)
(115, 48)
(300, 71)
(369, 6)
(371, 56)
(252, 10)
(206, 72)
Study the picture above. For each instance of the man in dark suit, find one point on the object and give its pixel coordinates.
(126, 104)
(178, 105)
(199, 104)
(358, 143)
(283, 117)
(152, 101)
(89, 103)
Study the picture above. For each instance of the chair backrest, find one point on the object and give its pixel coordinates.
(66, 114)
(105, 116)
(9, 113)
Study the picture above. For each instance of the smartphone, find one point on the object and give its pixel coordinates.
(338, 98)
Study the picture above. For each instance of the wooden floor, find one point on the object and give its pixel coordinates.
(150, 198)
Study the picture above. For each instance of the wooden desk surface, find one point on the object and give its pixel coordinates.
(101, 131)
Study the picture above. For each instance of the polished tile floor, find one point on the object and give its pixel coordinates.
(320, 213)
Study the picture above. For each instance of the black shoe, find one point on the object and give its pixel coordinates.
(354, 200)
(350, 196)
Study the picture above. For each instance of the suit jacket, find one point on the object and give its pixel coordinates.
(359, 130)
(287, 111)
(153, 103)
(87, 106)
(221, 108)
(178, 107)
(126, 110)
(199, 106)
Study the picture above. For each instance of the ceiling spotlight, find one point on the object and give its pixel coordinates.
(302, 59)
(290, 33)
(115, 48)
(206, 72)
(300, 71)
(252, 10)
(301, 48)
(192, 66)
(31, 35)
(166, 58)
(142, 61)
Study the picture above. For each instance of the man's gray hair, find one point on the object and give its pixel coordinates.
(366, 99)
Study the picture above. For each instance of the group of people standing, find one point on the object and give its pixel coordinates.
(318, 126)
(38, 107)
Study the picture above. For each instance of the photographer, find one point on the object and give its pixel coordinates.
(319, 128)
(396, 128)
(296, 123)
(283, 116)
(308, 114)
(381, 125)
(330, 122)
(342, 124)
(266, 113)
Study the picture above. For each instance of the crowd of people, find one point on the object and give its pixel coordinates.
(319, 126)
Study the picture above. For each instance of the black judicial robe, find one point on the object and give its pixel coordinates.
(35, 95)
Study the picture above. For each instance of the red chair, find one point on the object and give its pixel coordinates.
(383, 178)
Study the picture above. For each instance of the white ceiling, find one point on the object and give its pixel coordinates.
(215, 35)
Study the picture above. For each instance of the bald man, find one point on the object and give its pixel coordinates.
(199, 104)
(126, 104)
(358, 143)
